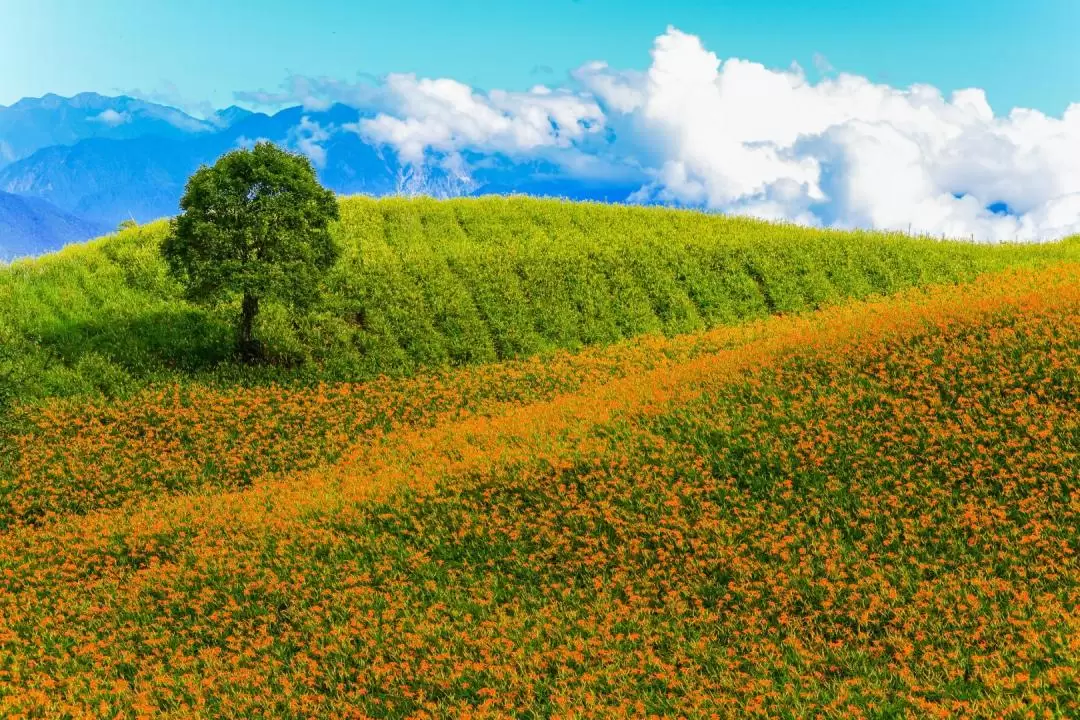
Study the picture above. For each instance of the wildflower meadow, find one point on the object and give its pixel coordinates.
(865, 511)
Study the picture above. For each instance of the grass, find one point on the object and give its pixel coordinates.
(544, 459)
(868, 511)
(432, 284)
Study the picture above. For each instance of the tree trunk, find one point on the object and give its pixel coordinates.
(247, 345)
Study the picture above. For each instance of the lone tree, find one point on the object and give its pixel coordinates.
(256, 224)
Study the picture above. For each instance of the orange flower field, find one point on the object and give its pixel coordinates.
(870, 511)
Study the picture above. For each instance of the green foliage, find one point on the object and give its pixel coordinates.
(422, 283)
(256, 224)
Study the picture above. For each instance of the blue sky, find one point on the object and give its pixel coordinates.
(1021, 53)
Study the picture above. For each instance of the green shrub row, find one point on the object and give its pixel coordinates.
(425, 283)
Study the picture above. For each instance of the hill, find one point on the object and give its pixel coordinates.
(29, 226)
(427, 284)
(867, 511)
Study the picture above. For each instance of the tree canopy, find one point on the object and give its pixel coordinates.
(256, 225)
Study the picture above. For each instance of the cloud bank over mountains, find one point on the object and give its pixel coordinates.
(691, 130)
(735, 136)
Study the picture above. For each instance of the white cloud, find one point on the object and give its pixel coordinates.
(448, 116)
(735, 136)
(621, 91)
(740, 137)
(247, 143)
(307, 137)
(111, 118)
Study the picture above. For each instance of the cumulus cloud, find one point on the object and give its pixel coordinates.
(735, 136)
(111, 118)
(447, 116)
(739, 137)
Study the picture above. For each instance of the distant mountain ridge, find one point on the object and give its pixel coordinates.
(108, 179)
(29, 226)
(35, 123)
(102, 159)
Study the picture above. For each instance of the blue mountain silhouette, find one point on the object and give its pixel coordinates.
(101, 174)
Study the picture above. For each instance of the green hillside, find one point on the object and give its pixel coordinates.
(426, 283)
(864, 510)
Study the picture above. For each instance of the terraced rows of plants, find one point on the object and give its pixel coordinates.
(425, 283)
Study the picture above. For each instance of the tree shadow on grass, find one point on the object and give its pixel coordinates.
(180, 340)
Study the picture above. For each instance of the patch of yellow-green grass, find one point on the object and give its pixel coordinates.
(424, 283)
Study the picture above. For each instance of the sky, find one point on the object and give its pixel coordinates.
(199, 53)
(956, 118)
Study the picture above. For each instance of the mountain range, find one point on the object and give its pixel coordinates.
(29, 226)
(71, 168)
